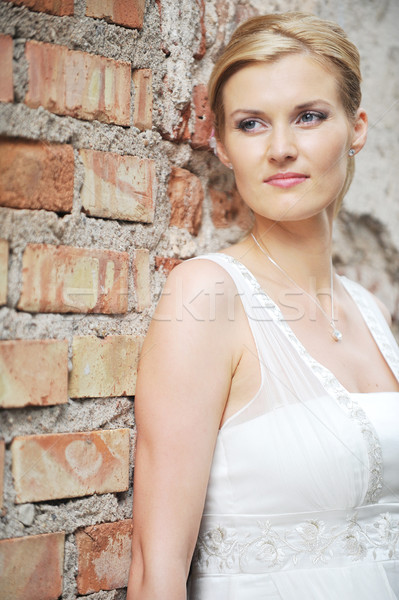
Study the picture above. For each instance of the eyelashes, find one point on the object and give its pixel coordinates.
(306, 118)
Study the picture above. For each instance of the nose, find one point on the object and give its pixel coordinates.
(281, 144)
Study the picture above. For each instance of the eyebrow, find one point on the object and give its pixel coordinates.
(257, 112)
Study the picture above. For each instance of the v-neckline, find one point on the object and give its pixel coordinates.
(326, 378)
(323, 373)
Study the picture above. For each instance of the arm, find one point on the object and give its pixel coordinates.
(184, 380)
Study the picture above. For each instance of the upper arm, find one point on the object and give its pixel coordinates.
(183, 383)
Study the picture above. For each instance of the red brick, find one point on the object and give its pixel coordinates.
(142, 115)
(78, 84)
(166, 264)
(104, 554)
(118, 187)
(186, 197)
(141, 271)
(229, 209)
(66, 279)
(180, 130)
(2, 457)
(36, 175)
(68, 465)
(61, 8)
(33, 372)
(104, 367)
(3, 271)
(32, 567)
(203, 118)
(200, 52)
(6, 79)
(129, 13)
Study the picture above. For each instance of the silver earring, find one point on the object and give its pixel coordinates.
(230, 166)
(351, 152)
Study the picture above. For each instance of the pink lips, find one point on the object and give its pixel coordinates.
(286, 180)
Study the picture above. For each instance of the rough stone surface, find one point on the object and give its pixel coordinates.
(78, 84)
(129, 13)
(2, 453)
(186, 196)
(142, 282)
(36, 175)
(3, 271)
(118, 187)
(61, 8)
(104, 556)
(6, 79)
(65, 279)
(142, 115)
(32, 567)
(66, 465)
(33, 372)
(102, 368)
(229, 209)
(166, 264)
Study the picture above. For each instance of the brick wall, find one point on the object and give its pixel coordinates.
(106, 183)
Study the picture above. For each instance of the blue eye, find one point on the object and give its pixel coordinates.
(248, 125)
(311, 117)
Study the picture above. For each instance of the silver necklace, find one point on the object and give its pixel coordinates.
(335, 333)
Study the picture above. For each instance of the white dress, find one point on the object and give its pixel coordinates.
(303, 496)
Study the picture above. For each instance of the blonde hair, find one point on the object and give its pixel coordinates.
(270, 37)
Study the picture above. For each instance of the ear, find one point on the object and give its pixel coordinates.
(222, 154)
(359, 130)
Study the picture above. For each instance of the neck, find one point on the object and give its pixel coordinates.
(301, 250)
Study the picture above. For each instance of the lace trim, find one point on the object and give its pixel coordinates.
(328, 380)
(272, 547)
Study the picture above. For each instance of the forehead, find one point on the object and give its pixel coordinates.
(295, 78)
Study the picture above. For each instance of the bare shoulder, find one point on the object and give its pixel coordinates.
(199, 288)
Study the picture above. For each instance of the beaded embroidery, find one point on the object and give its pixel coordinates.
(312, 539)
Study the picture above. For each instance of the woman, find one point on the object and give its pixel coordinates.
(268, 392)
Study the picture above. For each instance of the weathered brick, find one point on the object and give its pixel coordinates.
(104, 367)
(141, 270)
(78, 84)
(104, 554)
(6, 79)
(32, 567)
(33, 372)
(142, 114)
(203, 118)
(200, 51)
(166, 264)
(179, 131)
(67, 279)
(229, 209)
(186, 197)
(118, 187)
(129, 13)
(2, 457)
(36, 175)
(3, 271)
(68, 465)
(61, 8)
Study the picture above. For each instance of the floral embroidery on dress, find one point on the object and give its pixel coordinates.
(273, 547)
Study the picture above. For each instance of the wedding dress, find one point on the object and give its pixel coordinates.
(303, 495)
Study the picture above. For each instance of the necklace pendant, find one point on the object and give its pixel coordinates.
(336, 335)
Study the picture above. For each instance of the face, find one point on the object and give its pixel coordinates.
(287, 137)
